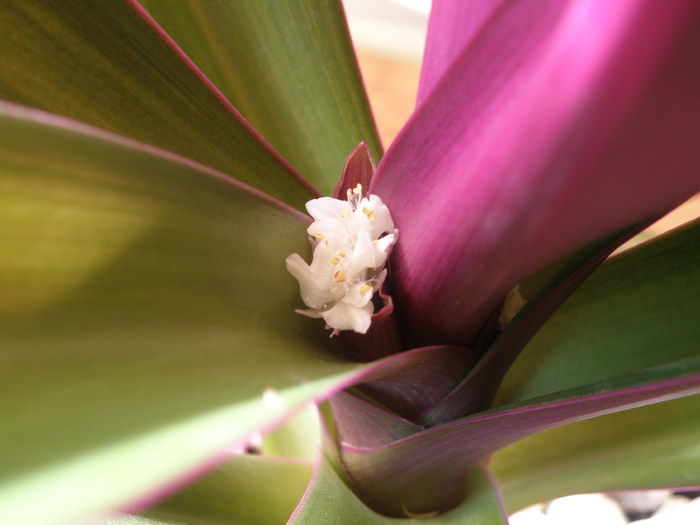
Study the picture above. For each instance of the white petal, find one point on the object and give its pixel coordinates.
(327, 208)
(344, 316)
(314, 314)
(363, 254)
(359, 295)
(348, 260)
(379, 280)
(383, 248)
(382, 223)
(313, 295)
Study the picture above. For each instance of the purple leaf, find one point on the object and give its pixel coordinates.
(477, 390)
(358, 169)
(421, 381)
(452, 27)
(428, 468)
(361, 423)
(557, 125)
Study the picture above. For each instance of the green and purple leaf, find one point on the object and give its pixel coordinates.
(477, 389)
(289, 68)
(329, 501)
(638, 310)
(110, 65)
(246, 490)
(147, 321)
(644, 448)
(599, 354)
(556, 144)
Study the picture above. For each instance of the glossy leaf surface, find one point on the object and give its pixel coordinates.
(619, 358)
(562, 122)
(478, 389)
(147, 320)
(645, 448)
(638, 310)
(108, 64)
(289, 68)
(328, 500)
(246, 490)
(452, 27)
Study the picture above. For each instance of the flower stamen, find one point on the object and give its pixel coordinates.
(359, 232)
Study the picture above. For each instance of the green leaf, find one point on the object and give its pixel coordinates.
(289, 67)
(119, 518)
(654, 446)
(637, 311)
(328, 500)
(146, 310)
(298, 438)
(247, 490)
(107, 64)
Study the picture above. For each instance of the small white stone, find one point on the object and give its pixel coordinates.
(671, 503)
(585, 509)
(272, 400)
(642, 501)
(676, 510)
(530, 516)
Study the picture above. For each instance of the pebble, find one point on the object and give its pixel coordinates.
(584, 509)
(661, 507)
(641, 504)
(530, 516)
(677, 512)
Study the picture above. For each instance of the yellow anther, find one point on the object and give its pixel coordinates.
(339, 276)
(365, 288)
(335, 260)
(319, 235)
(357, 189)
(342, 254)
(344, 213)
(369, 213)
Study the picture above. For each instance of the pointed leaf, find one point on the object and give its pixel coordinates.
(108, 64)
(329, 501)
(553, 128)
(638, 310)
(361, 423)
(425, 377)
(626, 337)
(477, 390)
(147, 319)
(452, 27)
(645, 448)
(387, 475)
(358, 169)
(289, 67)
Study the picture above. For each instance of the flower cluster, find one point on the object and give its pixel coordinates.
(351, 242)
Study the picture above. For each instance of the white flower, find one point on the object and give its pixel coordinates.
(351, 242)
